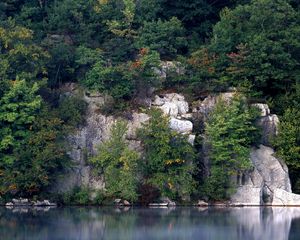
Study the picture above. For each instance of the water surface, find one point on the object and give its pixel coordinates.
(144, 223)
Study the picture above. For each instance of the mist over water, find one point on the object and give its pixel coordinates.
(146, 223)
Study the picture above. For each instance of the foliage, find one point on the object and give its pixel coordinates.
(230, 132)
(18, 109)
(20, 57)
(252, 50)
(118, 164)
(72, 110)
(142, 71)
(169, 158)
(37, 159)
(287, 142)
(77, 196)
(113, 80)
(166, 37)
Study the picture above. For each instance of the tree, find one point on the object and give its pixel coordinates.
(118, 164)
(166, 37)
(18, 109)
(169, 158)
(230, 132)
(287, 143)
(258, 43)
(143, 73)
(20, 57)
(112, 80)
(39, 158)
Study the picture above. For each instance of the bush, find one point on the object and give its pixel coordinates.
(77, 196)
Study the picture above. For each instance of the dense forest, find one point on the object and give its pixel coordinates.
(113, 47)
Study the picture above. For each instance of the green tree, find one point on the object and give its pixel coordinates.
(169, 158)
(18, 109)
(118, 164)
(40, 157)
(230, 132)
(20, 56)
(287, 144)
(258, 43)
(166, 37)
(143, 73)
(113, 80)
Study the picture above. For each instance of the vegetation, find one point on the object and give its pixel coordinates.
(116, 47)
(169, 158)
(230, 132)
(118, 164)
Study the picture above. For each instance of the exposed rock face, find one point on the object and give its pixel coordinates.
(86, 140)
(285, 198)
(175, 106)
(259, 185)
(207, 105)
(97, 129)
(181, 126)
(264, 109)
(268, 182)
(269, 125)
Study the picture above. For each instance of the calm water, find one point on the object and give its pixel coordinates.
(143, 223)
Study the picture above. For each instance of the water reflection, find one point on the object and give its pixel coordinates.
(140, 223)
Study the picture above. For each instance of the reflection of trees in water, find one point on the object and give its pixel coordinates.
(142, 223)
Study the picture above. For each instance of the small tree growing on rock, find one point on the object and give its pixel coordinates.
(118, 163)
(168, 158)
(230, 131)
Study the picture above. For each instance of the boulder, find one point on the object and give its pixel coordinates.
(207, 105)
(273, 171)
(158, 101)
(247, 195)
(172, 104)
(202, 203)
(258, 185)
(285, 198)
(9, 204)
(168, 201)
(126, 203)
(170, 109)
(181, 126)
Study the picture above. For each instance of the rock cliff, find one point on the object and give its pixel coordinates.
(267, 183)
(97, 129)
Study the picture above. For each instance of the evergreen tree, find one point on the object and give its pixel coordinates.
(118, 164)
(230, 132)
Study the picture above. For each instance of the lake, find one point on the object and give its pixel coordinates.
(69, 223)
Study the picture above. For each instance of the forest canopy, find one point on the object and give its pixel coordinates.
(115, 47)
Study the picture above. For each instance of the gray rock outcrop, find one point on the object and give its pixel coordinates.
(85, 141)
(177, 108)
(269, 174)
(97, 129)
(285, 198)
(268, 182)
